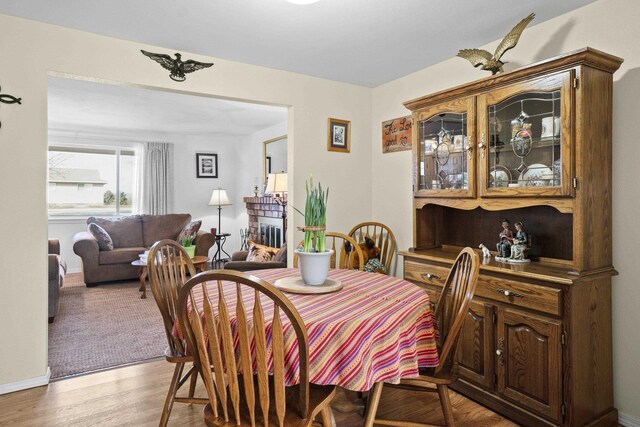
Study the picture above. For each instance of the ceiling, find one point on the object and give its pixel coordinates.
(364, 42)
(83, 105)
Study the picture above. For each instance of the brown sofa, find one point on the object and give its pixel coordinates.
(131, 235)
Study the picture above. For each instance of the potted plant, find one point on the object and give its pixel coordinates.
(187, 244)
(313, 258)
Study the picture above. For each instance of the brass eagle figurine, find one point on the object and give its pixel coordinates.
(177, 68)
(483, 59)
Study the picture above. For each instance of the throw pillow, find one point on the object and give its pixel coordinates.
(102, 237)
(281, 256)
(260, 253)
(189, 229)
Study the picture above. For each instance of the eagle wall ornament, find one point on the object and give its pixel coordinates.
(177, 68)
(483, 59)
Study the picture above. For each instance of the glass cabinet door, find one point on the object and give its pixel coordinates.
(525, 139)
(444, 157)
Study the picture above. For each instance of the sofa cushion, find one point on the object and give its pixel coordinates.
(190, 229)
(102, 237)
(120, 255)
(158, 227)
(126, 232)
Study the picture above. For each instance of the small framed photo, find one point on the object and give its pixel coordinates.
(339, 135)
(207, 165)
(268, 164)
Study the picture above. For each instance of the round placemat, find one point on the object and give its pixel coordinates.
(296, 285)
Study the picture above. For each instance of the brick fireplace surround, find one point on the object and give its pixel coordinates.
(257, 207)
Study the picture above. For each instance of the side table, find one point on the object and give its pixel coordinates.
(142, 274)
(220, 240)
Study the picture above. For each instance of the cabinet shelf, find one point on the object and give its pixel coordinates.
(535, 144)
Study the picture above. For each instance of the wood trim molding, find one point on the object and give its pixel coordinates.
(585, 56)
(627, 421)
(25, 384)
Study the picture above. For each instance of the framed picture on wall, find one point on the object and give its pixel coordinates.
(206, 165)
(339, 135)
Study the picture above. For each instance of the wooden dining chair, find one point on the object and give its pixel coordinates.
(238, 393)
(450, 314)
(343, 247)
(167, 266)
(383, 238)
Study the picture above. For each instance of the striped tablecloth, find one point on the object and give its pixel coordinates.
(377, 328)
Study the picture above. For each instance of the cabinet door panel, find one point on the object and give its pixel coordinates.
(475, 351)
(444, 151)
(525, 138)
(529, 366)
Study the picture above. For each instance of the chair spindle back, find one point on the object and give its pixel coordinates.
(453, 304)
(383, 238)
(167, 266)
(228, 375)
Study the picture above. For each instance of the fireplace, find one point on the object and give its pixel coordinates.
(265, 221)
(270, 231)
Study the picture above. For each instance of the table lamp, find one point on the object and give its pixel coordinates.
(277, 185)
(219, 198)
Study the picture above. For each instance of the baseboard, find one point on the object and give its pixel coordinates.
(25, 384)
(627, 421)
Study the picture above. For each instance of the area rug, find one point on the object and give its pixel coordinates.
(102, 327)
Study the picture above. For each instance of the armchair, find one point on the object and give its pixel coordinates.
(239, 263)
(57, 271)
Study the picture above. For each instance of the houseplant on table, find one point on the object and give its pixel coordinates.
(187, 244)
(313, 258)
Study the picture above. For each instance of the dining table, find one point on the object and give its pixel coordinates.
(376, 328)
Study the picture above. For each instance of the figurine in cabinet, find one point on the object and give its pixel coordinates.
(520, 245)
(486, 253)
(504, 245)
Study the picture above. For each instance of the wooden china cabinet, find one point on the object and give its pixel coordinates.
(531, 145)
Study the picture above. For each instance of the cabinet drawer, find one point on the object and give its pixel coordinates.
(527, 295)
(521, 294)
(425, 273)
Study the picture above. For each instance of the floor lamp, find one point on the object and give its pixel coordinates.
(219, 198)
(277, 185)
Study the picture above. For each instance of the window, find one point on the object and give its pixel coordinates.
(84, 181)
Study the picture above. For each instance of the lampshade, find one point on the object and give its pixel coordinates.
(219, 198)
(276, 183)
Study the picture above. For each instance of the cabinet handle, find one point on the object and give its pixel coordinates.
(500, 352)
(483, 146)
(508, 293)
(430, 276)
(470, 147)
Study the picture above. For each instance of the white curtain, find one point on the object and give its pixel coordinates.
(157, 178)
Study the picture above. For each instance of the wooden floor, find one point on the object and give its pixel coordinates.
(134, 395)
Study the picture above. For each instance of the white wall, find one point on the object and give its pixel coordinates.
(31, 50)
(191, 194)
(608, 25)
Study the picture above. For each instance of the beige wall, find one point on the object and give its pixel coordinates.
(608, 25)
(31, 50)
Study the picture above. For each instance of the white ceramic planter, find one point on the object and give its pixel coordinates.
(314, 266)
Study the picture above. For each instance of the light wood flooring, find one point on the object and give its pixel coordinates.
(134, 395)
